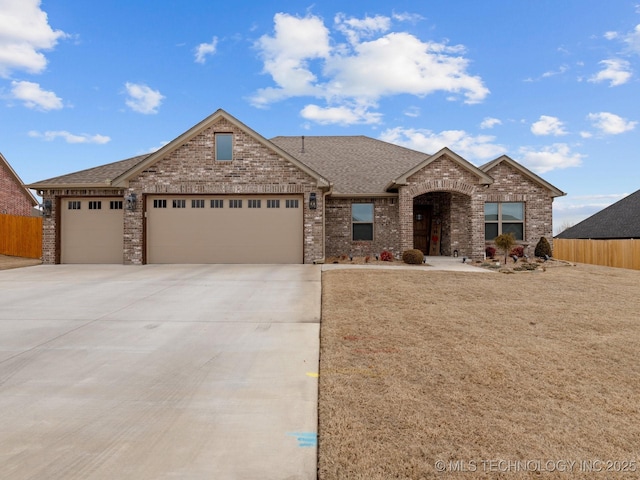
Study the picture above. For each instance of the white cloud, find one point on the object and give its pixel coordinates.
(24, 33)
(490, 122)
(342, 115)
(205, 49)
(355, 28)
(287, 54)
(632, 39)
(143, 99)
(34, 96)
(49, 136)
(616, 71)
(468, 146)
(610, 123)
(412, 112)
(611, 35)
(556, 156)
(304, 60)
(548, 125)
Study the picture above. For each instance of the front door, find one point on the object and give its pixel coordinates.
(421, 227)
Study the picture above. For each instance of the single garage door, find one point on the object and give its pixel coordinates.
(224, 229)
(91, 230)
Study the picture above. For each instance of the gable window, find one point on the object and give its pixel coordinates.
(362, 221)
(506, 217)
(115, 205)
(217, 203)
(254, 203)
(159, 203)
(292, 204)
(95, 205)
(179, 204)
(74, 205)
(235, 203)
(273, 203)
(224, 147)
(197, 203)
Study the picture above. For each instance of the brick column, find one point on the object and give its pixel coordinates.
(477, 226)
(405, 209)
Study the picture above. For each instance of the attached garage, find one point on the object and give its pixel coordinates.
(92, 230)
(224, 229)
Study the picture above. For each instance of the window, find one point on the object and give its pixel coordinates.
(179, 204)
(217, 203)
(292, 204)
(159, 204)
(254, 203)
(362, 221)
(235, 203)
(95, 205)
(115, 205)
(273, 203)
(224, 147)
(74, 205)
(502, 218)
(197, 203)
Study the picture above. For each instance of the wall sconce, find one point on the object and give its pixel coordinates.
(313, 203)
(46, 208)
(131, 200)
(419, 217)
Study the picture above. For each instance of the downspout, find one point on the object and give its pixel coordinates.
(324, 225)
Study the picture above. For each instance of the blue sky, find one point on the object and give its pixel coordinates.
(554, 85)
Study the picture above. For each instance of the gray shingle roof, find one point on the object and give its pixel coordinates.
(354, 164)
(95, 175)
(620, 220)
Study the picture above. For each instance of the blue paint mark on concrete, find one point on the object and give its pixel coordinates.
(305, 439)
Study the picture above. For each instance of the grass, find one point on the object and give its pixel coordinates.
(467, 369)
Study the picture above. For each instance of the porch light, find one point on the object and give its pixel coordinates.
(419, 217)
(46, 208)
(131, 201)
(313, 203)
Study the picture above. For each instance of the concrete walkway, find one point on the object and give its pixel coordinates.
(448, 264)
(159, 372)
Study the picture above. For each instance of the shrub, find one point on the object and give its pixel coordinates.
(386, 256)
(543, 248)
(490, 252)
(518, 251)
(506, 241)
(413, 257)
(367, 259)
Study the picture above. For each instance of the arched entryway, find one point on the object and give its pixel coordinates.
(441, 223)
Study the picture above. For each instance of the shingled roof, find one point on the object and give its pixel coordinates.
(620, 220)
(18, 181)
(101, 175)
(353, 164)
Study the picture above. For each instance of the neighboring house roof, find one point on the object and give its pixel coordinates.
(620, 220)
(524, 171)
(17, 179)
(354, 164)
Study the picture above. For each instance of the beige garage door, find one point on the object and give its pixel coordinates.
(91, 230)
(224, 229)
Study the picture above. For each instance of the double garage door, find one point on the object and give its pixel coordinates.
(187, 229)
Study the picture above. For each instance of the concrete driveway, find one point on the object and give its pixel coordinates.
(159, 372)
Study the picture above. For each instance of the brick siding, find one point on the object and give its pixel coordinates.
(14, 200)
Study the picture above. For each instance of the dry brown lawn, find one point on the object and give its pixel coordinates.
(7, 262)
(427, 374)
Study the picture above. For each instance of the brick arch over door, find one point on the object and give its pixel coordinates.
(444, 185)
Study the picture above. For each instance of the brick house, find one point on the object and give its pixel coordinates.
(222, 193)
(15, 198)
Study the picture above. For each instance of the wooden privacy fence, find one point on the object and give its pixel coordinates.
(21, 236)
(609, 253)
